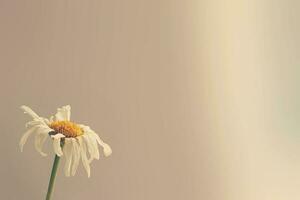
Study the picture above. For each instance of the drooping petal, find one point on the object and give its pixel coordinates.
(106, 148)
(76, 156)
(68, 154)
(94, 143)
(63, 113)
(32, 123)
(39, 141)
(89, 145)
(84, 159)
(56, 143)
(92, 146)
(25, 137)
(29, 111)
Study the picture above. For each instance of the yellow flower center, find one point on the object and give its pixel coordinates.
(67, 128)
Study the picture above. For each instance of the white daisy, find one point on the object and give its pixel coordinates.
(72, 140)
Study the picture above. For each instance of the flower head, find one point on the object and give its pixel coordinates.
(78, 140)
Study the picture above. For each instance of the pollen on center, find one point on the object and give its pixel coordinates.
(67, 128)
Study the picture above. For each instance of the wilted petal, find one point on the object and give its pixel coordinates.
(56, 144)
(68, 155)
(106, 148)
(63, 113)
(84, 159)
(39, 141)
(92, 146)
(25, 137)
(30, 112)
(76, 156)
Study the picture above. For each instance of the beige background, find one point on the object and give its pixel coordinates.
(198, 99)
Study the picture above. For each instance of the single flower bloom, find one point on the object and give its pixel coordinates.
(72, 140)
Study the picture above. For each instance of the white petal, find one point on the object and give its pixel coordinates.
(29, 111)
(25, 137)
(84, 159)
(56, 144)
(92, 146)
(76, 156)
(33, 123)
(106, 148)
(44, 128)
(63, 113)
(68, 154)
(40, 139)
(89, 145)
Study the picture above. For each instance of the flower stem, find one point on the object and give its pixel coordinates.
(52, 177)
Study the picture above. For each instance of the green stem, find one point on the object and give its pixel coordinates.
(52, 177)
(53, 172)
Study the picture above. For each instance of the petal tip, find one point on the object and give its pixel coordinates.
(107, 150)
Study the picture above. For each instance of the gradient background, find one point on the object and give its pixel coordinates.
(198, 99)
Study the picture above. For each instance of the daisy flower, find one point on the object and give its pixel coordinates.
(73, 141)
